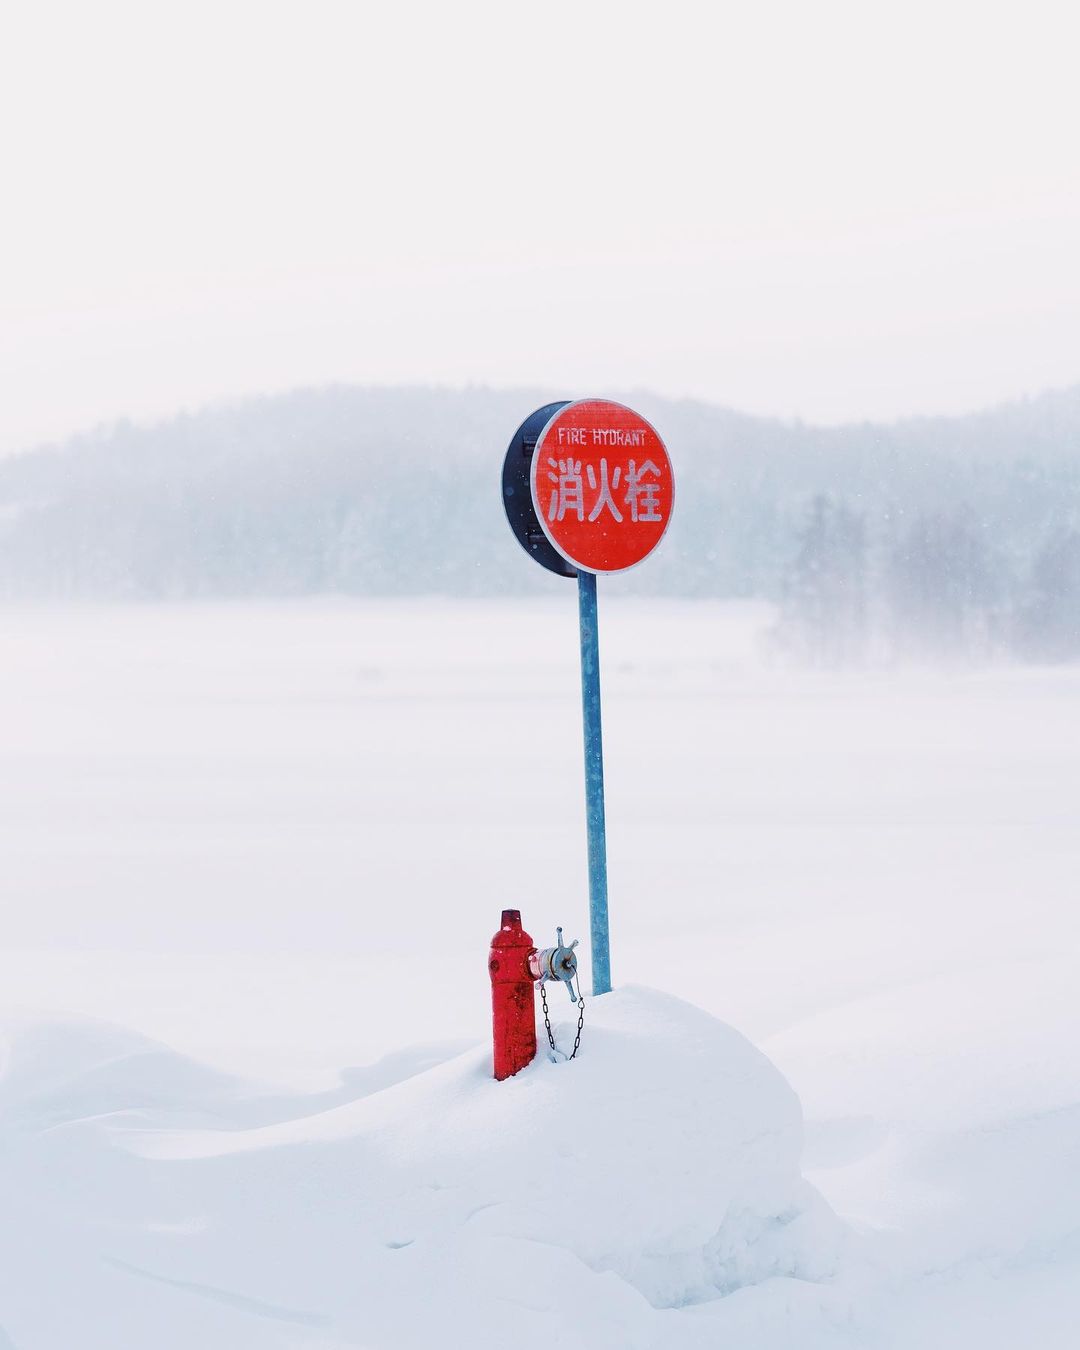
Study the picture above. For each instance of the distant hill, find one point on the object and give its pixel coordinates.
(391, 491)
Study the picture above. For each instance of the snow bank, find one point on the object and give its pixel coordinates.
(615, 1201)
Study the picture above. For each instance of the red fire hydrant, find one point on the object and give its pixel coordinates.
(512, 1004)
(515, 967)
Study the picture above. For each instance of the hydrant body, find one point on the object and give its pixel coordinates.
(513, 1009)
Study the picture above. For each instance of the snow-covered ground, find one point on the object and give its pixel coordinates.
(276, 840)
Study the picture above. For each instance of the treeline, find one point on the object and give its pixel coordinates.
(865, 587)
(929, 534)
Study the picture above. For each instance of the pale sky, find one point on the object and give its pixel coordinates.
(832, 211)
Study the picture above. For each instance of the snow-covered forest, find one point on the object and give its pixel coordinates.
(932, 536)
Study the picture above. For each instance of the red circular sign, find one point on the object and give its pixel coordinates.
(602, 485)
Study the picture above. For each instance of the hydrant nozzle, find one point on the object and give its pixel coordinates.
(557, 963)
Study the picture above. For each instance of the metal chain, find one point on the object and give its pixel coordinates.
(580, 1021)
(547, 1022)
(547, 1019)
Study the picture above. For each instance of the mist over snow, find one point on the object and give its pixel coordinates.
(254, 853)
(289, 718)
(951, 537)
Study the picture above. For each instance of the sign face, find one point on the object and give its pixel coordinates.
(602, 485)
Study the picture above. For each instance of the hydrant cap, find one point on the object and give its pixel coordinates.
(511, 933)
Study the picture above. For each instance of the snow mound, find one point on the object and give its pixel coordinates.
(577, 1203)
(56, 1070)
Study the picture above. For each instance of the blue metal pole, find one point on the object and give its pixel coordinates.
(594, 783)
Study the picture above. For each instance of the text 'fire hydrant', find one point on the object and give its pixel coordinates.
(515, 967)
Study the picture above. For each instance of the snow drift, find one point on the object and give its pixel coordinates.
(619, 1200)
